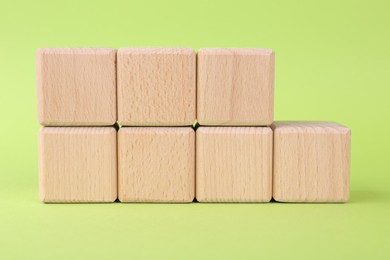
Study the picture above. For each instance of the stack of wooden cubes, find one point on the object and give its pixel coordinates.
(121, 124)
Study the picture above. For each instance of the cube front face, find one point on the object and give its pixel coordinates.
(311, 162)
(156, 164)
(77, 164)
(156, 86)
(235, 87)
(76, 86)
(233, 164)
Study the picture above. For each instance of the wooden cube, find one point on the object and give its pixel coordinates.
(156, 164)
(156, 86)
(76, 86)
(77, 164)
(233, 164)
(311, 162)
(235, 87)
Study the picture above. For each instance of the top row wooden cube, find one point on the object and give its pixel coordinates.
(76, 86)
(154, 86)
(235, 87)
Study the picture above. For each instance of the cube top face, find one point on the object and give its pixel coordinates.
(157, 50)
(311, 162)
(234, 164)
(236, 51)
(156, 86)
(156, 164)
(77, 51)
(77, 164)
(309, 126)
(76, 86)
(235, 86)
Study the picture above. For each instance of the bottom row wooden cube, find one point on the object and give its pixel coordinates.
(311, 161)
(77, 164)
(234, 164)
(156, 164)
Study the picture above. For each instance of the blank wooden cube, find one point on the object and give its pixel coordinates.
(156, 164)
(156, 86)
(77, 164)
(311, 162)
(233, 164)
(235, 87)
(76, 86)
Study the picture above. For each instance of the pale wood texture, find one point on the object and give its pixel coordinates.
(311, 161)
(235, 86)
(156, 86)
(76, 86)
(156, 164)
(77, 164)
(233, 164)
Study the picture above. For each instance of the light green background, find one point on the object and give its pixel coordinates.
(332, 63)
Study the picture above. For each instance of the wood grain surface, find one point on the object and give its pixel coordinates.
(235, 86)
(156, 164)
(311, 161)
(233, 164)
(156, 86)
(76, 86)
(77, 164)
